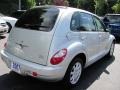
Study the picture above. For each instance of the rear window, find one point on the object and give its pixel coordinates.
(40, 19)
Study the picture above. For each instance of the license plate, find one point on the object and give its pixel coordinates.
(15, 67)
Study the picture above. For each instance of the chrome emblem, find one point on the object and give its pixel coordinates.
(21, 45)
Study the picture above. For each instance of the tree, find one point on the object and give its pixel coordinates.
(30, 3)
(87, 5)
(49, 1)
(116, 7)
(101, 7)
(83, 4)
(61, 2)
(9, 6)
(90, 6)
(58, 2)
(110, 3)
(73, 3)
(66, 3)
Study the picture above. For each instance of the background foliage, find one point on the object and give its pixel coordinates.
(99, 7)
(116, 7)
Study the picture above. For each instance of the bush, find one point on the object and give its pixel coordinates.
(100, 7)
(30, 3)
(9, 6)
(116, 7)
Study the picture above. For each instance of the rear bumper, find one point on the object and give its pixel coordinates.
(26, 68)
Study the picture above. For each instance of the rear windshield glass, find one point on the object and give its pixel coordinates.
(40, 19)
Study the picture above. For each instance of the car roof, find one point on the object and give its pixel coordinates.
(2, 21)
(66, 9)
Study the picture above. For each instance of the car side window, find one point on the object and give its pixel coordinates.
(100, 26)
(75, 21)
(86, 22)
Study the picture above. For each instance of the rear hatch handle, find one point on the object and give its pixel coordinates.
(21, 45)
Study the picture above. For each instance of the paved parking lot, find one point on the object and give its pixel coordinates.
(103, 75)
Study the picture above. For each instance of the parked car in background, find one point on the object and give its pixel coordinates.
(3, 27)
(112, 22)
(56, 43)
(10, 21)
(17, 14)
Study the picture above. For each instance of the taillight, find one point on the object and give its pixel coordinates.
(5, 44)
(34, 74)
(58, 57)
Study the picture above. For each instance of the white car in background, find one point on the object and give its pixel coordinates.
(3, 27)
(10, 21)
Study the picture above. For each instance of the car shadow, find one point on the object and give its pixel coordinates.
(13, 81)
(2, 37)
(93, 72)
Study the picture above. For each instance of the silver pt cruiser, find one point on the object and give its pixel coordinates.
(56, 43)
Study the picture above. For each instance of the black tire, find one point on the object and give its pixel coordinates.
(10, 27)
(66, 81)
(111, 51)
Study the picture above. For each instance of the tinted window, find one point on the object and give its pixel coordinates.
(41, 19)
(99, 25)
(75, 21)
(86, 22)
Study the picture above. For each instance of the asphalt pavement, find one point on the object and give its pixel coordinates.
(103, 75)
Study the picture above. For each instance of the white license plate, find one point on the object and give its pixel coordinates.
(15, 67)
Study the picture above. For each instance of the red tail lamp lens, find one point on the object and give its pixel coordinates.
(58, 57)
(34, 74)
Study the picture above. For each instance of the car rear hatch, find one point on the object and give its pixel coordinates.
(32, 35)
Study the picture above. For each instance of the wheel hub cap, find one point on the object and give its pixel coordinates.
(75, 73)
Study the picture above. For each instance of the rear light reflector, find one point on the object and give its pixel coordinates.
(58, 57)
(34, 74)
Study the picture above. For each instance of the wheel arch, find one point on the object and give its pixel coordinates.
(82, 56)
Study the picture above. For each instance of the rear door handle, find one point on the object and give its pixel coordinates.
(100, 36)
(83, 38)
